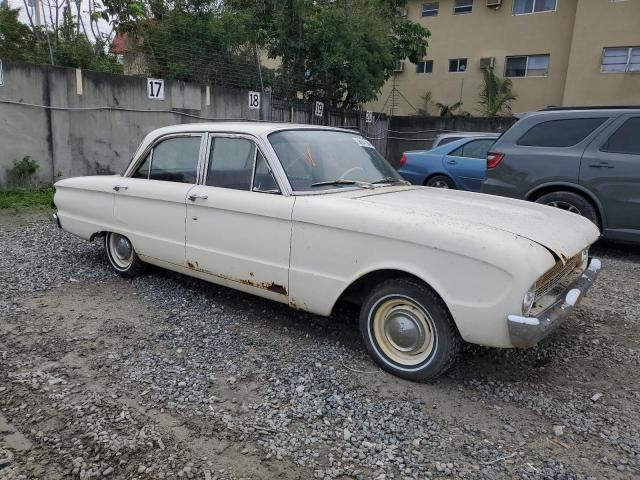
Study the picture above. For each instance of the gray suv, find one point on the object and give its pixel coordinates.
(584, 160)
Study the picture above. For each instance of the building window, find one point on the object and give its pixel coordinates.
(527, 66)
(522, 7)
(621, 59)
(424, 67)
(430, 9)
(462, 6)
(457, 64)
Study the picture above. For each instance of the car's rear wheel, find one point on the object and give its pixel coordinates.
(121, 255)
(570, 202)
(408, 330)
(440, 181)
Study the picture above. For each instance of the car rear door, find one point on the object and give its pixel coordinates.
(238, 227)
(150, 206)
(610, 168)
(467, 163)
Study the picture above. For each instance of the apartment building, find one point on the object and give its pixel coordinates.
(556, 52)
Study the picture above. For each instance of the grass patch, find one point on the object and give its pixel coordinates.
(26, 199)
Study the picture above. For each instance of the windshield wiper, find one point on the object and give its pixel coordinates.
(343, 181)
(391, 180)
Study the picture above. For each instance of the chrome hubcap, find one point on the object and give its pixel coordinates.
(440, 184)
(565, 206)
(121, 250)
(403, 331)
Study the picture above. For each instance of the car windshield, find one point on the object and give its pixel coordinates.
(322, 159)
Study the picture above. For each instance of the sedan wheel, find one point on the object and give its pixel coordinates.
(122, 255)
(408, 330)
(440, 181)
(565, 206)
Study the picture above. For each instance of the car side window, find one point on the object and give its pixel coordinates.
(143, 169)
(560, 133)
(477, 148)
(446, 140)
(626, 139)
(263, 180)
(474, 149)
(174, 160)
(231, 162)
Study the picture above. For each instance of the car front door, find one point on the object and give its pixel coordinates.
(150, 206)
(610, 168)
(238, 226)
(467, 163)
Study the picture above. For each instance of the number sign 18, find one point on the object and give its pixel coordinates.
(254, 100)
(155, 89)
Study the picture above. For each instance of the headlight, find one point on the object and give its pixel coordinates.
(584, 258)
(527, 301)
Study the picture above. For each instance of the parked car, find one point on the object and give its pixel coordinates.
(461, 164)
(309, 216)
(445, 138)
(585, 161)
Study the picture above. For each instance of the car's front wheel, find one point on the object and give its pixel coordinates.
(408, 330)
(122, 256)
(440, 181)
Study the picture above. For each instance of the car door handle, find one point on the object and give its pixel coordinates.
(117, 188)
(194, 196)
(451, 162)
(601, 165)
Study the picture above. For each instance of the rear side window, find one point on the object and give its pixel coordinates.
(474, 149)
(560, 133)
(626, 139)
(446, 140)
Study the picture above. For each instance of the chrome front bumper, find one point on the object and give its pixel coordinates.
(528, 331)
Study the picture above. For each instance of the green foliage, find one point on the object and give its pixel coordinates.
(449, 110)
(70, 48)
(22, 172)
(496, 94)
(26, 199)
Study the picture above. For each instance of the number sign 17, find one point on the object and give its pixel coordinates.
(155, 89)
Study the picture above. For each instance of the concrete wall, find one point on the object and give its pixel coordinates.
(99, 130)
(418, 133)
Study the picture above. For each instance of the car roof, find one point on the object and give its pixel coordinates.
(252, 128)
(466, 134)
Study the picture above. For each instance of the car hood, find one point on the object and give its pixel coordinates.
(563, 233)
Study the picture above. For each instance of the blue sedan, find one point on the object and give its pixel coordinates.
(459, 165)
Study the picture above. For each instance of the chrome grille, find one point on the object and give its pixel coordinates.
(555, 275)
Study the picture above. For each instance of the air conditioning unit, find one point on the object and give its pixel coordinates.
(398, 66)
(487, 62)
(494, 4)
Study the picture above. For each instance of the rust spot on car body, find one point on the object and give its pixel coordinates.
(271, 286)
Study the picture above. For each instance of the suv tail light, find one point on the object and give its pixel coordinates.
(494, 159)
(403, 159)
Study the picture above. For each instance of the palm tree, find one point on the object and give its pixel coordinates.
(496, 94)
(448, 110)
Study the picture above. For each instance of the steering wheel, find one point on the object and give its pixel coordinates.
(352, 169)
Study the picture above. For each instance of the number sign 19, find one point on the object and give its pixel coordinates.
(319, 110)
(369, 116)
(254, 100)
(155, 89)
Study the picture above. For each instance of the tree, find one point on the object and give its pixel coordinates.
(496, 94)
(449, 110)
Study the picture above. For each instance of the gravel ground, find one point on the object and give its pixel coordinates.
(164, 376)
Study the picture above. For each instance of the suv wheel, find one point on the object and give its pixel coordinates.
(571, 202)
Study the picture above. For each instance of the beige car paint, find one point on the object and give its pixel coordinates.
(478, 252)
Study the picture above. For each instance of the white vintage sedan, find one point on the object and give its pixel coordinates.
(310, 216)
